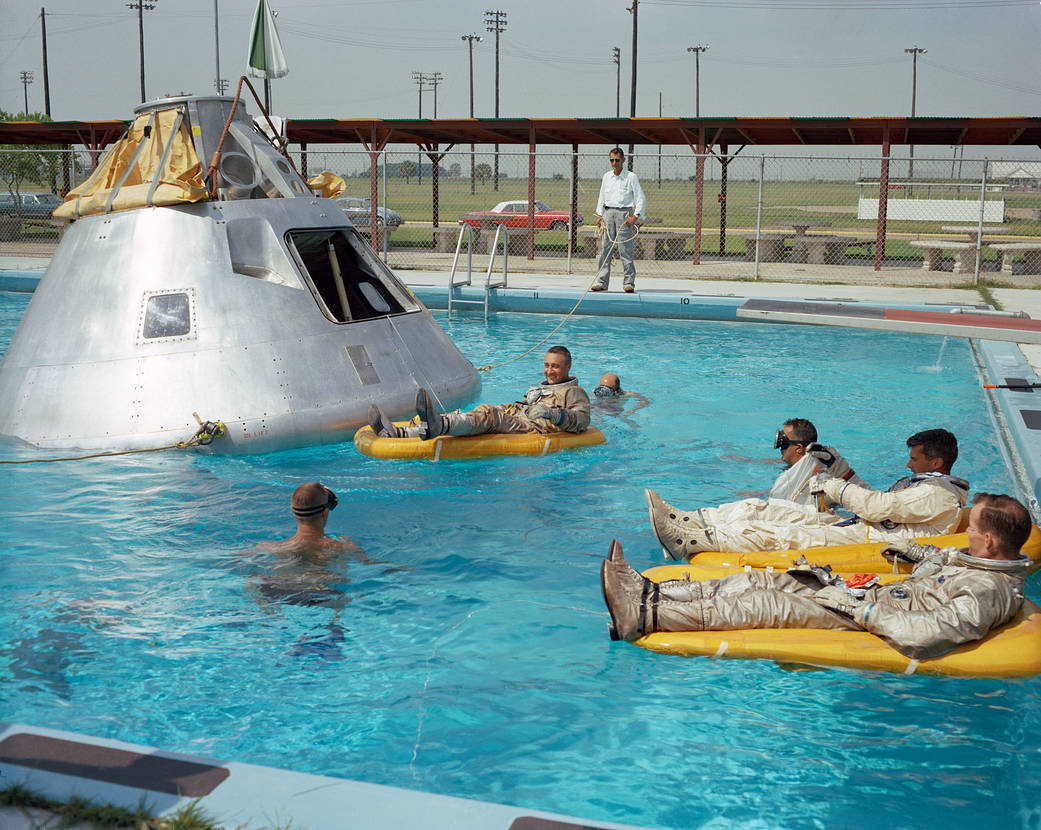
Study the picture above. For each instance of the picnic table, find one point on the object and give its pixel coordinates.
(964, 250)
(771, 245)
(799, 249)
(973, 231)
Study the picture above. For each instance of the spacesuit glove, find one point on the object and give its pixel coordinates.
(908, 550)
(837, 598)
(817, 482)
(835, 464)
(545, 413)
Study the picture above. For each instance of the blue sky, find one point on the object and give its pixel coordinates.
(355, 58)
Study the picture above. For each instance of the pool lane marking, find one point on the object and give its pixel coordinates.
(984, 327)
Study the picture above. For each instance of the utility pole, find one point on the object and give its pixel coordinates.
(616, 56)
(141, 5)
(218, 84)
(697, 50)
(46, 77)
(419, 78)
(435, 78)
(634, 10)
(470, 43)
(914, 51)
(495, 21)
(26, 78)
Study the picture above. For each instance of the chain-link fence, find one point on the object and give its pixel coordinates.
(740, 216)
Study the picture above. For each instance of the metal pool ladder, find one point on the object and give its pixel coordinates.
(500, 230)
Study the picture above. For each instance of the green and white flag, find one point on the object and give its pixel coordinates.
(266, 58)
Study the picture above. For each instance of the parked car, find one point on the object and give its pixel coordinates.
(515, 215)
(359, 211)
(29, 205)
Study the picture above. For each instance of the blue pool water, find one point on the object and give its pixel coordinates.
(471, 656)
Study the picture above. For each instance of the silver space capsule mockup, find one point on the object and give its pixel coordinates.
(247, 300)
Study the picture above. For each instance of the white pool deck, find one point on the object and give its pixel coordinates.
(254, 797)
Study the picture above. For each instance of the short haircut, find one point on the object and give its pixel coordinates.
(618, 150)
(305, 498)
(1006, 518)
(802, 430)
(561, 350)
(936, 443)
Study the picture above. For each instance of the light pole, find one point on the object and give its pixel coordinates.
(914, 51)
(697, 50)
(470, 43)
(26, 77)
(141, 5)
(219, 85)
(616, 56)
(634, 11)
(495, 21)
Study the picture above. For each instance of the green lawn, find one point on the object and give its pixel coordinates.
(675, 204)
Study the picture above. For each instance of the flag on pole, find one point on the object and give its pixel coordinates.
(266, 58)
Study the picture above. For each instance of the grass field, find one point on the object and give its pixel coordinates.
(674, 206)
(675, 203)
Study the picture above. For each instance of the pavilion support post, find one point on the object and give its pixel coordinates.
(572, 230)
(435, 176)
(699, 198)
(66, 170)
(724, 160)
(374, 147)
(883, 201)
(303, 160)
(531, 191)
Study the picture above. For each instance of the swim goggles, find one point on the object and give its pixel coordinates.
(606, 392)
(330, 502)
(782, 441)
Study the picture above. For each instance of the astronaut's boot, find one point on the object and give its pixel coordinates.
(382, 425)
(686, 518)
(625, 593)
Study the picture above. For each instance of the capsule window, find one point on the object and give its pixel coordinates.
(167, 315)
(346, 278)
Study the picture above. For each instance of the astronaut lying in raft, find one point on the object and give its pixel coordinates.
(952, 596)
(558, 404)
(929, 502)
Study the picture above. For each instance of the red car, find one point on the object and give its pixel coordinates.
(515, 215)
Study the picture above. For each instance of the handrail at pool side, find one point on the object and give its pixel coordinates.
(469, 231)
(502, 230)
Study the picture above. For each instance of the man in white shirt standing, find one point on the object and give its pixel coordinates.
(620, 205)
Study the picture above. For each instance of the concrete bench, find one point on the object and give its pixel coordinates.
(1031, 254)
(650, 243)
(933, 249)
(445, 238)
(771, 245)
(826, 249)
(661, 244)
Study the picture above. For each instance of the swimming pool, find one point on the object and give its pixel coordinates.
(471, 657)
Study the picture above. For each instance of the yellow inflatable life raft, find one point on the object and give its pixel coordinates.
(1014, 650)
(473, 446)
(866, 556)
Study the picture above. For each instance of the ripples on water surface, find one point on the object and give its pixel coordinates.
(472, 657)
